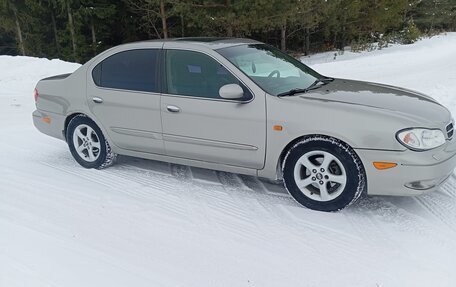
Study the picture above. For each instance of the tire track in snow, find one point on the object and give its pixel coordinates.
(281, 213)
(306, 225)
(121, 180)
(159, 167)
(233, 197)
(450, 186)
(235, 211)
(394, 219)
(332, 237)
(182, 172)
(363, 220)
(201, 184)
(231, 181)
(441, 206)
(142, 177)
(263, 186)
(158, 187)
(91, 175)
(231, 203)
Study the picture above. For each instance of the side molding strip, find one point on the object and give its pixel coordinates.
(196, 141)
(136, 133)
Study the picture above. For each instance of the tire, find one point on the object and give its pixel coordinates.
(87, 143)
(323, 173)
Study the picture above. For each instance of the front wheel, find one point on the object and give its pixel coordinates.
(323, 173)
(87, 143)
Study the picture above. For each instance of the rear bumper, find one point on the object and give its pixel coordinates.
(48, 123)
(415, 173)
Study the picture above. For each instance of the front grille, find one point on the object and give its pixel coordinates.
(450, 130)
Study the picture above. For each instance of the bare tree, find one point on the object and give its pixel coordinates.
(19, 33)
(65, 5)
(11, 22)
(72, 29)
(152, 12)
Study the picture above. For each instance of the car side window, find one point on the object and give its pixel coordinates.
(195, 74)
(134, 70)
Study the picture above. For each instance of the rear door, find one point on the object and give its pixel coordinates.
(198, 124)
(124, 95)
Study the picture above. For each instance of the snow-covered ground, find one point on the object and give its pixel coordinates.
(146, 223)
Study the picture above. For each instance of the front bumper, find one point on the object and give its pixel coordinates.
(415, 173)
(48, 123)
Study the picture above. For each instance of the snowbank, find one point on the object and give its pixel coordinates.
(145, 223)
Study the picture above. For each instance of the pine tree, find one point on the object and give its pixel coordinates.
(11, 21)
(435, 15)
(78, 29)
(96, 14)
(66, 6)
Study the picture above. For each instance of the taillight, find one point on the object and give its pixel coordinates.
(36, 95)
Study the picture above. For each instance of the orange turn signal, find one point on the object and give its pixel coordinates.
(46, 120)
(384, 165)
(277, 128)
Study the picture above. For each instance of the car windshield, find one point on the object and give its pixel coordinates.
(274, 71)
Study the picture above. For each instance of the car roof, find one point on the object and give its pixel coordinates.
(213, 43)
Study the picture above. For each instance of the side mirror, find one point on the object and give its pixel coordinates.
(231, 92)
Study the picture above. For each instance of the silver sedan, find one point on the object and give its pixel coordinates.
(242, 106)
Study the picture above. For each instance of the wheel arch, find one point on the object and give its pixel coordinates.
(108, 154)
(292, 143)
(355, 177)
(68, 120)
(78, 113)
(72, 115)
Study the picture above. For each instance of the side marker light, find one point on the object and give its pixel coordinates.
(46, 120)
(277, 128)
(384, 165)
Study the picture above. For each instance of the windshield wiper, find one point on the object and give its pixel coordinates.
(315, 85)
(319, 82)
(326, 79)
(292, 92)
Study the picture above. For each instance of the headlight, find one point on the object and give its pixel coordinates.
(421, 139)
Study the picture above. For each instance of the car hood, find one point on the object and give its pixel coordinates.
(413, 105)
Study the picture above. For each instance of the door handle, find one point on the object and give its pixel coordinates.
(97, 100)
(173, 109)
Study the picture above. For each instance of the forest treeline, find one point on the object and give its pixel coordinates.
(76, 30)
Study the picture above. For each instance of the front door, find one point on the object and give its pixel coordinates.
(198, 124)
(124, 95)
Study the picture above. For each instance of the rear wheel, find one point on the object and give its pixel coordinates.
(88, 144)
(323, 173)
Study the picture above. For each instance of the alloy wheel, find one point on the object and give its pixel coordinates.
(86, 143)
(320, 175)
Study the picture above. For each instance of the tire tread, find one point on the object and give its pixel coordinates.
(110, 157)
(362, 182)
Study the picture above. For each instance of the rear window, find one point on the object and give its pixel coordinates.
(134, 70)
